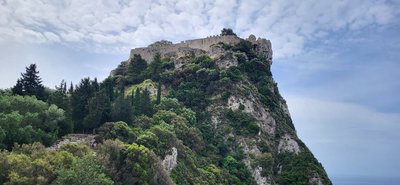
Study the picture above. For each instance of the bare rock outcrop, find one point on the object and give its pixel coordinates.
(170, 160)
(288, 144)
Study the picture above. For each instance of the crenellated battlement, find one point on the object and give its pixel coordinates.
(198, 47)
(147, 53)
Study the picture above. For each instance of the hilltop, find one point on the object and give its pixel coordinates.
(203, 111)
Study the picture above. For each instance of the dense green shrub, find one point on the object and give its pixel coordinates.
(242, 123)
(27, 120)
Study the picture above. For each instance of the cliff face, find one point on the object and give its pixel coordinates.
(227, 81)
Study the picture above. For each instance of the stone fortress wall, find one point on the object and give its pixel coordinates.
(261, 46)
(147, 53)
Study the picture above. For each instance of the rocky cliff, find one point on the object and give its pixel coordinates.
(241, 117)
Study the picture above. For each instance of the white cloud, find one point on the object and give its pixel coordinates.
(51, 36)
(109, 26)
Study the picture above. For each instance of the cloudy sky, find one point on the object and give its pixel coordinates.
(336, 62)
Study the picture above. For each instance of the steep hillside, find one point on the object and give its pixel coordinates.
(204, 111)
(242, 131)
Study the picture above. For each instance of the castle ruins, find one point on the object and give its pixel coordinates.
(147, 53)
(198, 47)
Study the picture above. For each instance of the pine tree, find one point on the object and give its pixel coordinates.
(136, 69)
(30, 84)
(18, 89)
(155, 67)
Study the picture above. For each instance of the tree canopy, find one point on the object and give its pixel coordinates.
(227, 31)
(30, 84)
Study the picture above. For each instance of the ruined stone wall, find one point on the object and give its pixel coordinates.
(147, 53)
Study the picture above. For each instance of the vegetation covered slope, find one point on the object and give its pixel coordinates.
(190, 118)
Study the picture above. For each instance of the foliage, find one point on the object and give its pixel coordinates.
(227, 31)
(155, 68)
(85, 170)
(297, 169)
(135, 71)
(238, 169)
(30, 84)
(122, 109)
(145, 103)
(242, 123)
(246, 47)
(116, 130)
(160, 43)
(135, 130)
(31, 164)
(148, 83)
(98, 111)
(26, 120)
(79, 100)
(61, 99)
(132, 164)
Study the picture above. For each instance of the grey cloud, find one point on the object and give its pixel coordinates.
(116, 25)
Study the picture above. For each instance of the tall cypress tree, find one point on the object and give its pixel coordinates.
(136, 103)
(71, 88)
(145, 103)
(158, 101)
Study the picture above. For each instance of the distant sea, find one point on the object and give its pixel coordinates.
(365, 181)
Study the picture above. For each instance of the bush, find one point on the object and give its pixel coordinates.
(26, 120)
(243, 123)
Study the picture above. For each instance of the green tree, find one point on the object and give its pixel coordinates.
(160, 43)
(121, 110)
(155, 68)
(30, 84)
(71, 88)
(132, 164)
(135, 70)
(145, 103)
(18, 89)
(116, 130)
(26, 120)
(108, 87)
(61, 99)
(227, 31)
(137, 109)
(85, 171)
(99, 107)
(79, 101)
(158, 100)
